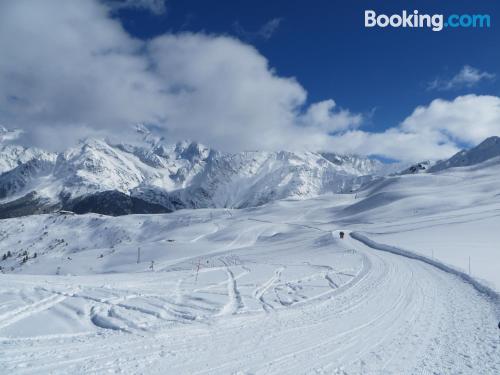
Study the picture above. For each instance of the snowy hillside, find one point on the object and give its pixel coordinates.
(154, 176)
(487, 149)
(267, 290)
(450, 215)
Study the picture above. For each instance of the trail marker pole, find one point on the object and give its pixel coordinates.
(138, 255)
(469, 265)
(197, 270)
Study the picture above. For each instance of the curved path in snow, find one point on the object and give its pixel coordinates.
(397, 316)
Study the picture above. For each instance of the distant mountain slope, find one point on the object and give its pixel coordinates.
(11, 156)
(487, 149)
(97, 176)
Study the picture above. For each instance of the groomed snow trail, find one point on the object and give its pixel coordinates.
(393, 315)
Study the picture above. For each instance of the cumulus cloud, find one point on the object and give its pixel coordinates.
(466, 119)
(394, 143)
(435, 131)
(69, 70)
(222, 91)
(468, 76)
(325, 116)
(67, 65)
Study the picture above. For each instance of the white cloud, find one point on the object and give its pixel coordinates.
(394, 143)
(435, 131)
(154, 6)
(467, 77)
(269, 28)
(69, 70)
(466, 119)
(68, 65)
(222, 91)
(324, 116)
(266, 31)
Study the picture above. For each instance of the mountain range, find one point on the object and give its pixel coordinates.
(154, 176)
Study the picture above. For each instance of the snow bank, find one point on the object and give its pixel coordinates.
(490, 293)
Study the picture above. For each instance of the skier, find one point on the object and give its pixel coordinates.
(341, 234)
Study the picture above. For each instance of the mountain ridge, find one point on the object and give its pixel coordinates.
(487, 149)
(186, 174)
(151, 175)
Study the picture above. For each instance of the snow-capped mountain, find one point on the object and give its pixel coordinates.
(364, 166)
(13, 156)
(487, 149)
(152, 175)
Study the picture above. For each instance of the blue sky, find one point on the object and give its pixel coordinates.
(250, 75)
(328, 50)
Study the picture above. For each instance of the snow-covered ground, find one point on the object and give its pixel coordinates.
(450, 216)
(267, 290)
(264, 290)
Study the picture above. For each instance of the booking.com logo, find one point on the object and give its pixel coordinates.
(436, 22)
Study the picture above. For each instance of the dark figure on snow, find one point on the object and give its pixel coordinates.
(341, 234)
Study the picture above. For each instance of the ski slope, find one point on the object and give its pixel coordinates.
(268, 290)
(451, 216)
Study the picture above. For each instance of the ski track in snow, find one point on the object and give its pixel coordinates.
(350, 309)
(26, 311)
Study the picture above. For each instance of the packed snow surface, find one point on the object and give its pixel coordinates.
(268, 290)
